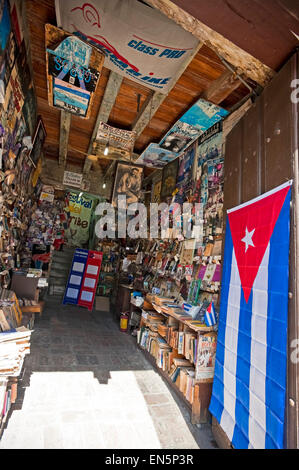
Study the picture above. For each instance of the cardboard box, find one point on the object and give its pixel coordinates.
(102, 304)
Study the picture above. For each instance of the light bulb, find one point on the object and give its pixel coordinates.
(104, 186)
(106, 151)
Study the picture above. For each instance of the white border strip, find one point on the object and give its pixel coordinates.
(262, 196)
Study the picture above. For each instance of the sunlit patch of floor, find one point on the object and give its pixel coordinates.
(134, 409)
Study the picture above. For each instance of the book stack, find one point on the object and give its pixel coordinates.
(173, 337)
(187, 378)
(190, 345)
(179, 364)
(14, 346)
(163, 330)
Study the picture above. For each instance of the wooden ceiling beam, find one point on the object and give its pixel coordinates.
(221, 88)
(155, 99)
(110, 94)
(65, 125)
(243, 62)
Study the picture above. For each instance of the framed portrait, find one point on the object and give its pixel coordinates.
(169, 178)
(128, 181)
(38, 141)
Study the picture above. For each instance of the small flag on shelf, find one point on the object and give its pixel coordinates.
(210, 317)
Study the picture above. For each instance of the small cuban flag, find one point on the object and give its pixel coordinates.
(210, 317)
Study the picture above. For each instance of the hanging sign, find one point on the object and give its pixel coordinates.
(139, 42)
(117, 138)
(72, 179)
(73, 70)
(80, 208)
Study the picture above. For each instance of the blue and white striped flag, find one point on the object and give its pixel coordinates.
(249, 389)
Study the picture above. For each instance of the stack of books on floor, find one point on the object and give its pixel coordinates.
(182, 373)
(14, 346)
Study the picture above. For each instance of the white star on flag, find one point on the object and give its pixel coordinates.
(248, 239)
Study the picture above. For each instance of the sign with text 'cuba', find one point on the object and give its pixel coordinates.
(138, 41)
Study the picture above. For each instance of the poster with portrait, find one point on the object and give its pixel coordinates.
(156, 191)
(186, 166)
(38, 141)
(206, 354)
(128, 182)
(169, 178)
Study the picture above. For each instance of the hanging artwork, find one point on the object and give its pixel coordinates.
(197, 120)
(38, 141)
(118, 139)
(73, 70)
(128, 181)
(156, 157)
(169, 179)
(138, 41)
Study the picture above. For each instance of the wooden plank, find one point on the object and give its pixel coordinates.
(153, 101)
(65, 125)
(243, 62)
(110, 94)
(221, 88)
(200, 406)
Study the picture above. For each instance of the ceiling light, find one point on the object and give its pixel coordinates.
(104, 186)
(106, 151)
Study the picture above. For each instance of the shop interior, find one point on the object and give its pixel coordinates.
(69, 145)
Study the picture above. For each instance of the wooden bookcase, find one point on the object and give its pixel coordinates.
(202, 389)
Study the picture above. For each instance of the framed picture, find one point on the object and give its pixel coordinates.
(169, 178)
(128, 181)
(38, 141)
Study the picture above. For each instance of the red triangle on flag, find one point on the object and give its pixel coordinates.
(251, 227)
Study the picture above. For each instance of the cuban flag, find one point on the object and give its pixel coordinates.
(210, 317)
(249, 389)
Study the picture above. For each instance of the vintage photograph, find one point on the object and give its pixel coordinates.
(128, 180)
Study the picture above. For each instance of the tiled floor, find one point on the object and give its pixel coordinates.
(86, 385)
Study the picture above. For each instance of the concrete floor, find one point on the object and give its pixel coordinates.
(87, 386)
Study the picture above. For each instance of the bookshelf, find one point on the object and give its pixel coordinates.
(169, 340)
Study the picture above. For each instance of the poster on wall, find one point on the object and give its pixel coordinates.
(139, 42)
(169, 179)
(128, 182)
(156, 191)
(186, 166)
(72, 179)
(156, 157)
(73, 71)
(249, 397)
(80, 209)
(206, 354)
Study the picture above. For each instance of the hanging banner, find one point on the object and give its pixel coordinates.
(73, 69)
(117, 138)
(249, 389)
(139, 42)
(80, 208)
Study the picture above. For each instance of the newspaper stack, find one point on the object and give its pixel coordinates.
(14, 345)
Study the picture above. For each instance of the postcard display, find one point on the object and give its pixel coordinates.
(179, 279)
(83, 278)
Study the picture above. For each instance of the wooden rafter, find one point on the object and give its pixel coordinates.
(243, 62)
(111, 92)
(221, 88)
(65, 125)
